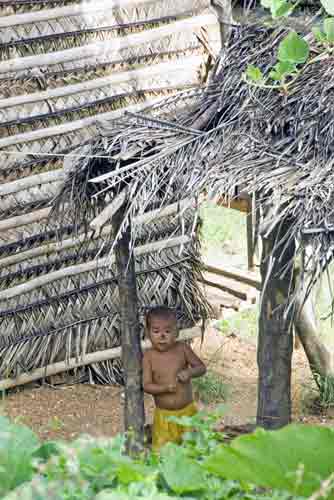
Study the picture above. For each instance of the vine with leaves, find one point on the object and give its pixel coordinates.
(294, 53)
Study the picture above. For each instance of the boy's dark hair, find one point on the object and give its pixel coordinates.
(159, 312)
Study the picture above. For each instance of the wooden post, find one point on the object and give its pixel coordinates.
(134, 415)
(275, 343)
(250, 234)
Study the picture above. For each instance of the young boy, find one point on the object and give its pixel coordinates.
(168, 368)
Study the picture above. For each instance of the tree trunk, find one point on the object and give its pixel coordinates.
(275, 343)
(134, 415)
(320, 358)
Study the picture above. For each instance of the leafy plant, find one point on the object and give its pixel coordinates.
(279, 459)
(293, 52)
(17, 446)
(210, 388)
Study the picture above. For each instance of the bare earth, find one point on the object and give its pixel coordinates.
(69, 411)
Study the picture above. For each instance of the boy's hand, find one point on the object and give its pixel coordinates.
(183, 376)
(171, 388)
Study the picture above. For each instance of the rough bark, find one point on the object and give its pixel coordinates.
(275, 343)
(134, 416)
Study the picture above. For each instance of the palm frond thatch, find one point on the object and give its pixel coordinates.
(238, 137)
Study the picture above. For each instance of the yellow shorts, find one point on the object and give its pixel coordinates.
(165, 431)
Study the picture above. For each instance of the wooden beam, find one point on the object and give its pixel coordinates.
(187, 65)
(31, 181)
(117, 45)
(236, 275)
(66, 272)
(225, 286)
(84, 360)
(240, 204)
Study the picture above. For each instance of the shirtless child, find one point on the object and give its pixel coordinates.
(168, 369)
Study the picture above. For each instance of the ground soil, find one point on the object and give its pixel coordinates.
(68, 411)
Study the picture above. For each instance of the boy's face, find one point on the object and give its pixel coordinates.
(163, 333)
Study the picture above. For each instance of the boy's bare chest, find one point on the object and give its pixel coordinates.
(167, 365)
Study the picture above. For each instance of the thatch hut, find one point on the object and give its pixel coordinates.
(276, 143)
(65, 69)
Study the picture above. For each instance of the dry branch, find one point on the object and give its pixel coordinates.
(87, 359)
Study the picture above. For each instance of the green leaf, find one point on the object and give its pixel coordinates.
(182, 474)
(329, 29)
(254, 73)
(281, 70)
(281, 8)
(328, 5)
(273, 459)
(293, 49)
(17, 446)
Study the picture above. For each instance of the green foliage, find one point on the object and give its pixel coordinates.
(17, 447)
(278, 8)
(325, 36)
(244, 323)
(280, 459)
(289, 464)
(254, 74)
(210, 388)
(293, 49)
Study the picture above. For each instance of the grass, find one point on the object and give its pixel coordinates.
(244, 323)
(210, 388)
(224, 232)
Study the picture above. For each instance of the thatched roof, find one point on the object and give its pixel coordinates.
(67, 66)
(239, 136)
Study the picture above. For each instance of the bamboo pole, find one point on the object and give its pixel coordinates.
(116, 45)
(86, 359)
(31, 181)
(74, 125)
(51, 248)
(164, 70)
(92, 265)
(24, 220)
(94, 7)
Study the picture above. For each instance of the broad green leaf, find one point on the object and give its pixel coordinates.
(254, 74)
(329, 29)
(282, 70)
(293, 49)
(17, 446)
(182, 474)
(281, 8)
(274, 459)
(328, 5)
(46, 450)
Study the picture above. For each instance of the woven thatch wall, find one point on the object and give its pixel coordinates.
(64, 67)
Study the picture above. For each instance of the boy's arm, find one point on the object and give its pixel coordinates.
(196, 367)
(149, 386)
